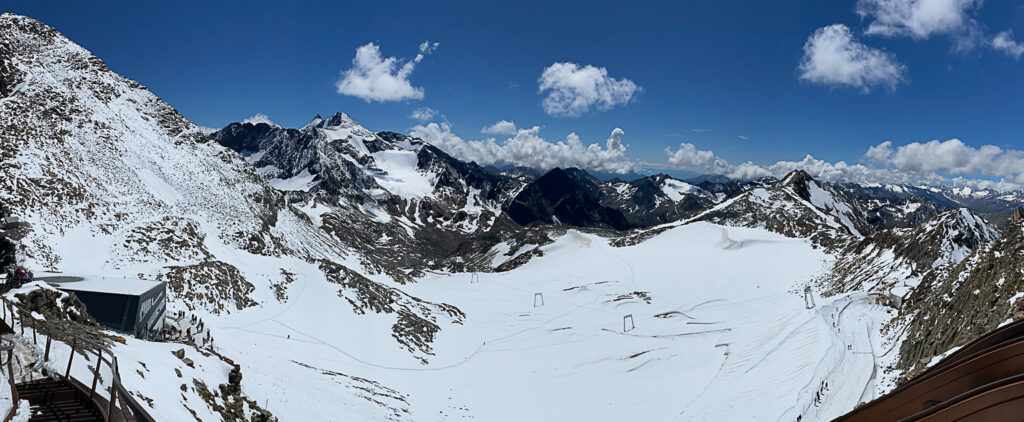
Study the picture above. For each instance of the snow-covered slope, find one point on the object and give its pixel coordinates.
(796, 206)
(412, 203)
(658, 199)
(897, 259)
(387, 172)
(705, 340)
(982, 291)
(323, 260)
(903, 206)
(113, 181)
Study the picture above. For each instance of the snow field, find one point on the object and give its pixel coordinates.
(725, 336)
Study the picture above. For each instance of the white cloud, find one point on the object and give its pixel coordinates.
(423, 114)
(503, 127)
(951, 157)
(259, 118)
(527, 148)
(1005, 43)
(922, 19)
(743, 137)
(427, 47)
(918, 19)
(688, 156)
(916, 163)
(375, 78)
(573, 90)
(833, 57)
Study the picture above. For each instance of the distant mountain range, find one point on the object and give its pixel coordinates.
(110, 179)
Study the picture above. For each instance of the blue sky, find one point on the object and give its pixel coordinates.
(707, 72)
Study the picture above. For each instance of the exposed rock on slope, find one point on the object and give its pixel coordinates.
(83, 146)
(412, 202)
(901, 257)
(796, 206)
(657, 199)
(115, 182)
(952, 308)
(556, 198)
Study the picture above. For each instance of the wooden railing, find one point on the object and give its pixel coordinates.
(8, 346)
(121, 406)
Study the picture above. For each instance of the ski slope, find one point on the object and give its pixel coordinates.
(720, 334)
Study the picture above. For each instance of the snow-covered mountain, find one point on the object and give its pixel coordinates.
(112, 181)
(796, 206)
(982, 291)
(352, 274)
(403, 195)
(385, 172)
(900, 205)
(896, 260)
(643, 202)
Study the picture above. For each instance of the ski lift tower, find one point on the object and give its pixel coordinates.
(808, 298)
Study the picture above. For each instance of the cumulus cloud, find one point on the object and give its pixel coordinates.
(423, 114)
(527, 148)
(375, 78)
(503, 127)
(1004, 42)
(951, 157)
(573, 90)
(918, 19)
(917, 163)
(922, 19)
(259, 118)
(688, 156)
(833, 57)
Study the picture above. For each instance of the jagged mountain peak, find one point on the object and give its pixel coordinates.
(798, 206)
(799, 182)
(960, 218)
(315, 121)
(949, 237)
(338, 119)
(564, 196)
(796, 177)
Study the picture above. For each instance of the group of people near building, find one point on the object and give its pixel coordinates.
(195, 330)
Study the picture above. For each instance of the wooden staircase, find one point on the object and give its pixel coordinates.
(57, 401)
(64, 398)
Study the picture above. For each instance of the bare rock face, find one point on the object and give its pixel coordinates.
(975, 296)
(50, 304)
(902, 257)
(88, 150)
(112, 180)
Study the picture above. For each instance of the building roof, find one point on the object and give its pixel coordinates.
(99, 284)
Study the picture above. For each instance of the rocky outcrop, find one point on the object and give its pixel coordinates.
(977, 295)
(556, 198)
(902, 257)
